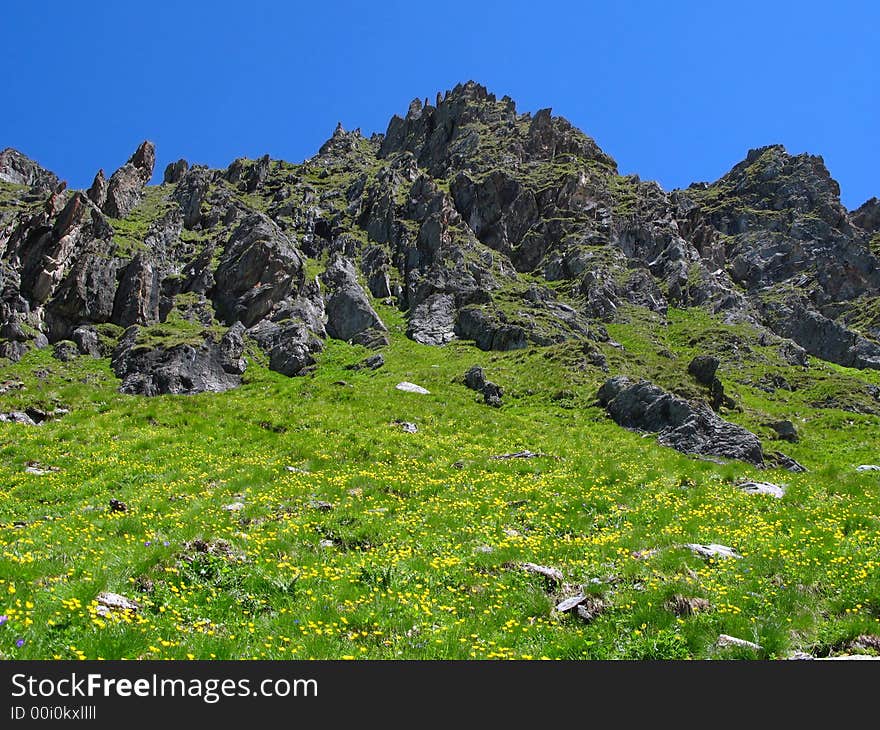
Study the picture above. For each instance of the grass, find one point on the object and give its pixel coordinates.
(417, 556)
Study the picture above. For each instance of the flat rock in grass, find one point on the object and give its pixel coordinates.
(571, 603)
(687, 605)
(412, 388)
(868, 467)
(590, 609)
(326, 543)
(17, 417)
(373, 362)
(553, 575)
(115, 602)
(786, 462)
(724, 641)
(118, 506)
(37, 469)
(234, 507)
(320, 505)
(297, 470)
(406, 426)
(712, 550)
(774, 490)
(525, 454)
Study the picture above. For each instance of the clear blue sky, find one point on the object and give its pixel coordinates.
(675, 91)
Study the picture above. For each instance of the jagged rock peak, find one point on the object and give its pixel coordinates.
(867, 216)
(125, 186)
(341, 142)
(20, 169)
(470, 129)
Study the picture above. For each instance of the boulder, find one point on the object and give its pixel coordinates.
(689, 428)
(202, 366)
(785, 431)
(350, 316)
(65, 350)
(290, 345)
(475, 379)
(259, 268)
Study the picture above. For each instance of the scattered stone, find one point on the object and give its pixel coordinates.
(868, 467)
(373, 362)
(774, 490)
(689, 428)
(785, 431)
(320, 505)
(87, 341)
(65, 350)
(725, 641)
(786, 462)
(143, 584)
(475, 379)
(406, 426)
(37, 469)
(210, 547)
(17, 417)
(712, 550)
(114, 602)
(10, 385)
(644, 554)
(525, 454)
(484, 549)
(234, 507)
(297, 470)
(412, 388)
(866, 641)
(117, 506)
(703, 368)
(687, 605)
(590, 609)
(343, 384)
(570, 604)
(326, 543)
(552, 575)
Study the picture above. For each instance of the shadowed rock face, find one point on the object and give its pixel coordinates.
(689, 428)
(181, 369)
(18, 169)
(475, 220)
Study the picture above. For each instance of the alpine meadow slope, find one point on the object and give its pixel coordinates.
(646, 421)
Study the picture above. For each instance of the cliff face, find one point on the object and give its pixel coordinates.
(479, 222)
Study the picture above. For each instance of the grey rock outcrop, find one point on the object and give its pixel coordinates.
(689, 428)
(125, 187)
(19, 169)
(260, 267)
(180, 369)
(475, 379)
(350, 316)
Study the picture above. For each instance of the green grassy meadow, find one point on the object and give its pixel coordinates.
(418, 556)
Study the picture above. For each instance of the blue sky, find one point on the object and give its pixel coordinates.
(674, 91)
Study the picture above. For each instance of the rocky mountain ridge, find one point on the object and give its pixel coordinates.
(478, 222)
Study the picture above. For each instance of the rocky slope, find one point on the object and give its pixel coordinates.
(479, 222)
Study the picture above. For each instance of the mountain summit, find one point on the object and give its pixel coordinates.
(479, 222)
